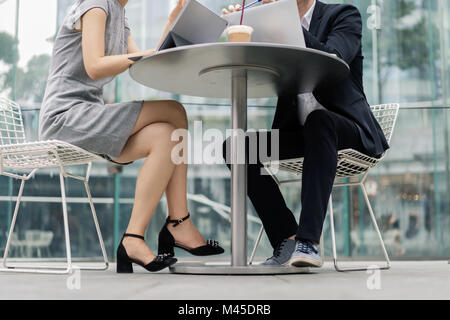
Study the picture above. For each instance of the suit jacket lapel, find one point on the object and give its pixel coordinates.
(316, 18)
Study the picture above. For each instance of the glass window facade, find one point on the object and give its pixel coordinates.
(407, 57)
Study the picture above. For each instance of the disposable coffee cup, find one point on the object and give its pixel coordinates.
(239, 33)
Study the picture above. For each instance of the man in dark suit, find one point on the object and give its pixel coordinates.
(315, 126)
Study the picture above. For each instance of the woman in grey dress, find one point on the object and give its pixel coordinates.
(92, 47)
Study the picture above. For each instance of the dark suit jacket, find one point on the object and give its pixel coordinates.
(337, 29)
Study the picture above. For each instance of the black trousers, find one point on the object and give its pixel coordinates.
(318, 142)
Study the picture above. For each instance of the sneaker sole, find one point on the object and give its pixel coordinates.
(286, 264)
(304, 262)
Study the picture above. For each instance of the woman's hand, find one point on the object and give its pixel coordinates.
(238, 7)
(142, 53)
(176, 11)
(147, 52)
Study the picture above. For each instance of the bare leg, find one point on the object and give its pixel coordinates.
(171, 112)
(153, 143)
(171, 178)
(176, 194)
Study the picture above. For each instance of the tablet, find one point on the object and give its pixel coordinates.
(277, 22)
(136, 59)
(196, 24)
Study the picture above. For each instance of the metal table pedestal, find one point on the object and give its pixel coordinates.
(239, 265)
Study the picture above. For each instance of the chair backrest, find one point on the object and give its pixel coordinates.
(386, 115)
(11, 123)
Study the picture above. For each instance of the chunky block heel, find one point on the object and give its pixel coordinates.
(125, 263)
(166, 242)
(124, 267)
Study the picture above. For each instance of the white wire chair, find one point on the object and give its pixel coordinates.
(17, 155)
(352, 165)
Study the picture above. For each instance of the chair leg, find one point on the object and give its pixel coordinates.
(97, 227)
(322, 250)
(258, 240)
(66, 222)
(375, 225)
(13, 223)
(363, 268)
(48, 269)
(333, 235)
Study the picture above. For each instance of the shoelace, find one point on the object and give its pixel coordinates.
(278, 250)
(306, 247)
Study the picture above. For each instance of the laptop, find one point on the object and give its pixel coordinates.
(196, 24)
(277, 22)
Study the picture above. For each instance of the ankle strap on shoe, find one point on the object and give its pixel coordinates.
(177, 222)
(133, 236)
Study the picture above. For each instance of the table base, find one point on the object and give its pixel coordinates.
(257, 76)
(227, 269)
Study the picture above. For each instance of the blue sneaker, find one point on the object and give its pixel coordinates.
(306, 254)
(281, 254)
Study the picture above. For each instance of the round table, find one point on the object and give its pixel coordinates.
(238, 71)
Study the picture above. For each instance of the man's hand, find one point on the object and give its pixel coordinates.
(232, 8)
(238, 7)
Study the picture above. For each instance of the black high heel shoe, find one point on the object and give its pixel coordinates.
(124, 262)
(167, 243)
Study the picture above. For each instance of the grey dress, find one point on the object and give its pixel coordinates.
(73, 109)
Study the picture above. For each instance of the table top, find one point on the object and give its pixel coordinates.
(205, 70)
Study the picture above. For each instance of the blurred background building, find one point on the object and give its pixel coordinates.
(407, 60)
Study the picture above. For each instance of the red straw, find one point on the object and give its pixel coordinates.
(242, 14)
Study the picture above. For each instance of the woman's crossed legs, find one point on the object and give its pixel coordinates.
(151, 138)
